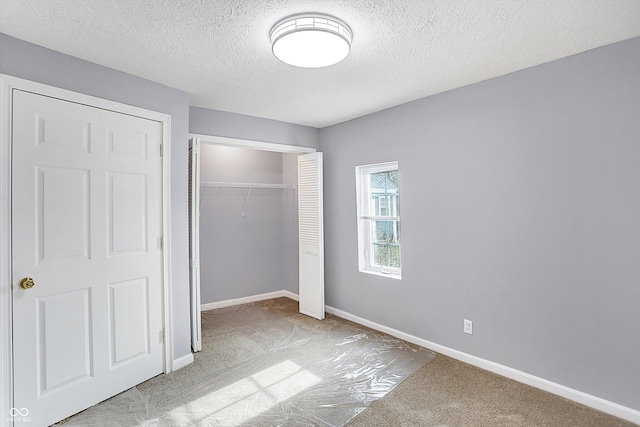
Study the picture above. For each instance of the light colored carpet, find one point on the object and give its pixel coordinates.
(447, 392)
(264, 364)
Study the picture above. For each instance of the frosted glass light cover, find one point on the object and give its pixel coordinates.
(311, 41)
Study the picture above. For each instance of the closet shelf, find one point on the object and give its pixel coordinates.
(250, 185)
(214, 184)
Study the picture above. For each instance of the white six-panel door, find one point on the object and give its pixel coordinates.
(87, 225)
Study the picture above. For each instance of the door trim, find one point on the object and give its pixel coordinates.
(194, 297)
(7, 85)
(249, 143)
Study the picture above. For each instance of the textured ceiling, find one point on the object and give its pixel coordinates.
(218, 50)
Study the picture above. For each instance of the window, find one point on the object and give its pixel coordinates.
(378, 219)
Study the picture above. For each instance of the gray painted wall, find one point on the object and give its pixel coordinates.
(231, 125)
(243, 255)
(28, 61)
(520, 211)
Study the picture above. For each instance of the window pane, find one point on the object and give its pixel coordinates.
(386, 243)
(384, 193)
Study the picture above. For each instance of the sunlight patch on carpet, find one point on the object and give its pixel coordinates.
(249, 397)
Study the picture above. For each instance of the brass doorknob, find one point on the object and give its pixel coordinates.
(27, 283)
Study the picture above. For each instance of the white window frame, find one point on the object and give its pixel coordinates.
(365, 220)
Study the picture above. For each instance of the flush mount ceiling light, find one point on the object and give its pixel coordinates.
(311, 40)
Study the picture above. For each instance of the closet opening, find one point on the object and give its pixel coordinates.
(255, 225)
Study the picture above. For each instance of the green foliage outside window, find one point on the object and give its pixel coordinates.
(386, 247)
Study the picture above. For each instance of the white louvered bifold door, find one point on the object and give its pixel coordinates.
(194, 242)
(311, 235)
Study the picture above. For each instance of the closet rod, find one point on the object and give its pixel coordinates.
(245, 185)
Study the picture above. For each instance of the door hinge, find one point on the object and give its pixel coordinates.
(162, 335)
(161, 242)
(161, 149)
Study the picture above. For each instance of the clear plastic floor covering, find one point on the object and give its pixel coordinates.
(262, 369)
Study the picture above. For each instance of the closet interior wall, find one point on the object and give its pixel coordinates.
(248, 235)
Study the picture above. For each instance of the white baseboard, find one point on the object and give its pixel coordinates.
(514, 374)
(291, 295)
(183, 361)
(246, 300)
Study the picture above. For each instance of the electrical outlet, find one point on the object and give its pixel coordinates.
(468, 327)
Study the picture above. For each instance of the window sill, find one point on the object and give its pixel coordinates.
(395, 276)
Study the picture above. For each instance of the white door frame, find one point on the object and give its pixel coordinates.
(242, 143)
(7, 85)
(249, 143)
(194, 243)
